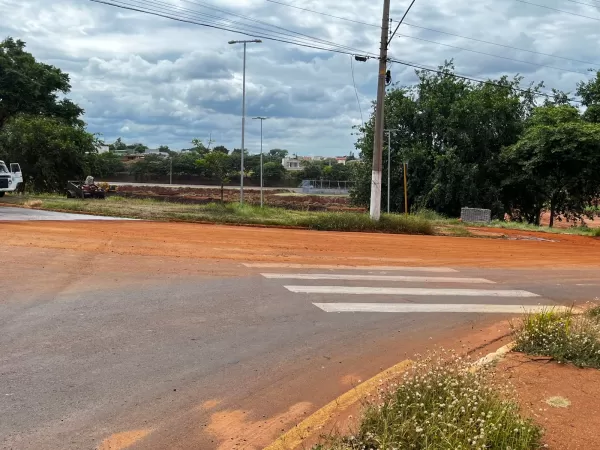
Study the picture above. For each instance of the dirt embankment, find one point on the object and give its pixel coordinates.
(303, 246)
(271, 197)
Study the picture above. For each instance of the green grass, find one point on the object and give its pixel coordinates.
(563, 336)
(233, 213)
(582, 231)
(441, 406)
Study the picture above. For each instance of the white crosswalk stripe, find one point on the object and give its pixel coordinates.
(403, 298)
(408, 291)
(343, 267)
(443, 307)
(353, 277)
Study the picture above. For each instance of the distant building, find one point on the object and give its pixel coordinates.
(102, 149)
(291, 164)
(341, 159)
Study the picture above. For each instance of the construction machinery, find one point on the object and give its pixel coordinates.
(84, 189)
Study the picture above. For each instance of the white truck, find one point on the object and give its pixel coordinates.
(10, 179)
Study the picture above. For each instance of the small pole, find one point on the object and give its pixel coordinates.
(389, 169)
(171, 170)
(405, 165)
(261, 164)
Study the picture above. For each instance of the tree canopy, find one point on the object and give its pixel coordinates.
(456, 135)
(31, 87)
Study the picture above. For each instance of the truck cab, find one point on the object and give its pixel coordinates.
(10, 178)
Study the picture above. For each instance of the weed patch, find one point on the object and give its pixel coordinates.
(441, 405)
(564, 336)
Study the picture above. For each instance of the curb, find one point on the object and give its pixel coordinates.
(294, 437)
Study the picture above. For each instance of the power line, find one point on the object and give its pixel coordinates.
(219, 27)
(323, 14)
(156, 5)
(248, 18)
(401, 20)
(437, 31)
(499, 45)
(581, 3)
(491, 54)
(559, 10)
(356, 90)
(468, 78)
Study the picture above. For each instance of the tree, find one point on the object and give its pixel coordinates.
(590, 98)
(31, 87)
(103, 165)
(273, 172)
(50, 151)
(150, 165)
(222, 149)
(452, 132)
(137, 148)
(554, 164)
(118, 145)
(218, 166)
(199, 147)
(165, 149)
(278, 153)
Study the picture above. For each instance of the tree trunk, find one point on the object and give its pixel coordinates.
(222, 191)
(552, 206)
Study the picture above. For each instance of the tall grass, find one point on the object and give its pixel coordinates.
(234, 213)
(563, 336)
(441, 405)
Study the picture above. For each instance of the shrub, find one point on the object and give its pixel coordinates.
(442, 405)
(564, 336)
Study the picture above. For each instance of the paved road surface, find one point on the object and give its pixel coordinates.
(181, 353)
(10, 214)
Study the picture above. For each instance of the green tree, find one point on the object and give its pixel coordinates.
(278, 153)
(31, 87)
(452, 132)
(222, 149)
(103, 165)
(218, 166)
(199, 147)
(273, 173)
(150, 165)
(49, 150)
(590, 98)
(118, 145)
(554, 164)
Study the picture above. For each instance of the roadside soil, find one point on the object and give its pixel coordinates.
(574, 427)
(237, 243)
(211, 195)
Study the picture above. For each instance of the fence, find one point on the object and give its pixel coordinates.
(476, 215)
(330, 187)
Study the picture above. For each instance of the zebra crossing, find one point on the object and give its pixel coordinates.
(405, 289)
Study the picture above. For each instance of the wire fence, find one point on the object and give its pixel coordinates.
(326, 187)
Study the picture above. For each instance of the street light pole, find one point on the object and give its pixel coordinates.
(389, 132)
(261, 156)
(257, 41)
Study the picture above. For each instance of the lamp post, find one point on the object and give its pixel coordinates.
(256, 41)
(262, 119)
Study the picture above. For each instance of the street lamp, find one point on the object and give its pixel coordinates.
(262, 119)
(255, 41)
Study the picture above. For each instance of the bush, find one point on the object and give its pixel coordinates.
(442, 405)
(564, 336)
(389, 223)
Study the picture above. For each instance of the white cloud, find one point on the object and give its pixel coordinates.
(160, 81)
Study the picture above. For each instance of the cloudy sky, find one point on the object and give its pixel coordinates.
(164, 82)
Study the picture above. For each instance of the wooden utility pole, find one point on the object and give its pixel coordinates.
(376, 174)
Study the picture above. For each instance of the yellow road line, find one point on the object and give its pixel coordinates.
(293, 438)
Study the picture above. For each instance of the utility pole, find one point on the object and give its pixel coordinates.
(405, 167)
(261, 156)
(257, 41)
(376, 176)
(389, 168)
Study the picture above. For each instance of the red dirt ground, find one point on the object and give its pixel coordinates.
(303, 246)
(576, 427)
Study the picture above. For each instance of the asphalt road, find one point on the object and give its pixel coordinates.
(123, 351)
(10, 214)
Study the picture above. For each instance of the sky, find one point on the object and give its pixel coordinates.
(163, 82)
